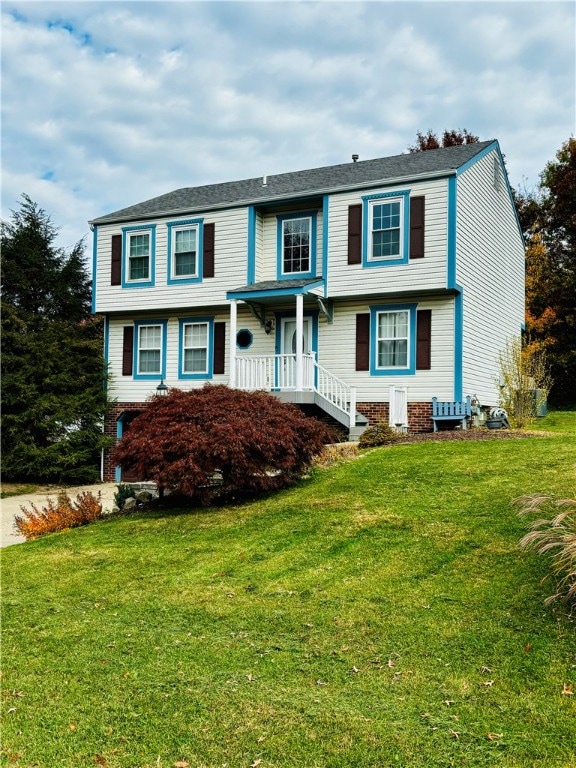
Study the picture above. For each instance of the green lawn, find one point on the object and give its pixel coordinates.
(379, 614)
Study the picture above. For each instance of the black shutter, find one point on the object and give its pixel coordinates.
(423, 339)
(417, 227)
(354, 234)
(208, 254)
(127, 350)
(219, 347)
(362, 342)
(116, 268)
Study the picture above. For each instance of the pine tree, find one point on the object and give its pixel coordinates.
(53, 374)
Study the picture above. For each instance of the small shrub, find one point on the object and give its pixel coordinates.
(380, 434)
(123, 492)
(59, 515)
(555, 536)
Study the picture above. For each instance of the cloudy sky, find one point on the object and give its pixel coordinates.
(106, 104)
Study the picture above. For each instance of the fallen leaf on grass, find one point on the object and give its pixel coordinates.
(181, 764)
(527, 647)
(256, 763)
(321, 682)
(485, 670)
(494, 736)
(568, 690)
(355, 670)
(488, 683)
(448, 702)
(100, 760)
(454, 734)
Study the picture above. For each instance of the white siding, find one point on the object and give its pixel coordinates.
(490, 269)
(337, 353)
(231, 236)
(430, 272)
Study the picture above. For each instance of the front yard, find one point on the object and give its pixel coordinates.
(378, 614)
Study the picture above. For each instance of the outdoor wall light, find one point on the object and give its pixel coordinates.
(269, 327)
(161, 389)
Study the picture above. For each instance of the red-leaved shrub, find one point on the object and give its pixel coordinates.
(184, 441)
(59, 515)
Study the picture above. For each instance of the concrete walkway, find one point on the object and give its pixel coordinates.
(10, 507)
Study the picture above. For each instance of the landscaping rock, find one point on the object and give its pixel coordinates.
(143, 496)
(129, 504)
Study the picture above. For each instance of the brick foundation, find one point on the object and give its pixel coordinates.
(110, 430)
(419, 415)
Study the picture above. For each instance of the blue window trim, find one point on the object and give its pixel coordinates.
(126, 232)
(280, 274)
(197, 224)
(164, 335)
(182, 321)
(410, 369)
(248, 331)
(367, 200)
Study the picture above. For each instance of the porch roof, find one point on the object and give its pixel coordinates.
(276, 288)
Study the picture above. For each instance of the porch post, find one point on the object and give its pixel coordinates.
(233, 331)
(299, 342)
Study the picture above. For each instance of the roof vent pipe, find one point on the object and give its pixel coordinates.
(355, 158)
(264, 181)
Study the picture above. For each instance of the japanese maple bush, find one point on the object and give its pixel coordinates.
(184, 441)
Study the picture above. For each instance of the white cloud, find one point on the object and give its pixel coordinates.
(106, 104)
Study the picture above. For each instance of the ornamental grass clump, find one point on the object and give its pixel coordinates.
(59, 514)
(554, 535)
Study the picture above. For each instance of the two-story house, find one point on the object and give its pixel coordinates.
(366, 288)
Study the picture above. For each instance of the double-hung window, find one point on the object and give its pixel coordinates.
(393, 339)
(139, 245)
(184, 251)
(297, 245)
(150, 349)
(386, 229)
(196, 348)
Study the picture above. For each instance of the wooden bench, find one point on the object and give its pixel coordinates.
(451, 411)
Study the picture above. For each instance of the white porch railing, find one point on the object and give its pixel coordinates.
(278, 372)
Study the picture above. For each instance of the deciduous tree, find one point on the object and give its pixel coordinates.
(450, 138)
(185, 440)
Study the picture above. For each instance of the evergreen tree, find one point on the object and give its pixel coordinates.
(53, 394)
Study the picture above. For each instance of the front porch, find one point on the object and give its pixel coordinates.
(292, 373)
(300, 381)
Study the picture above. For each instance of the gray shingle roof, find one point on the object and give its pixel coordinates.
(315, 181)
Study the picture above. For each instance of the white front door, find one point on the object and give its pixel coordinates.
(287, 367)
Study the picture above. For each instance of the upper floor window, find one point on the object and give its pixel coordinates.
(139, 245)
(386, 229)
(184, 251)
(297, 245)
(150, 349)
(393, 339)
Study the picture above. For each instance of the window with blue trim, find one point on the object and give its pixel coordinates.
(196, 348)
(150, 349)
(139, 245)
(393, 339)
(386, 229)
(297, 245)
(184, 251)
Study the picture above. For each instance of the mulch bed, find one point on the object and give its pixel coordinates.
(477, 433)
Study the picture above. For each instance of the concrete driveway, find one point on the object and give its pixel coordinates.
(10, 507)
